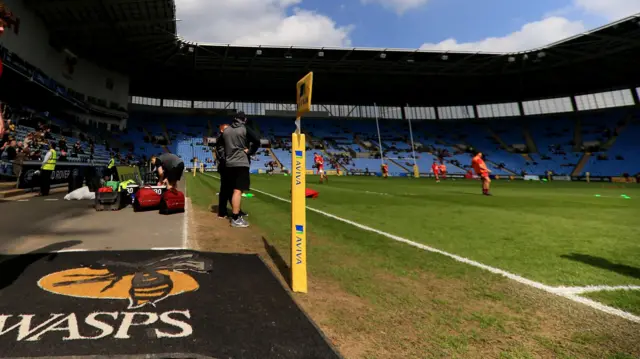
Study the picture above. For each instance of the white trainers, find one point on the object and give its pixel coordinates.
(239, 223)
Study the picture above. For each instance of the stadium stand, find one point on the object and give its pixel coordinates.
(355, 143)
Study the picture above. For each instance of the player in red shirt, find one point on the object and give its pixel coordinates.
(443, 170)
(385, 170)
(481, 170)
(436, 170)
(319, 162)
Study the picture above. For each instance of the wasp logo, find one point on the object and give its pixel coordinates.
(145, 283)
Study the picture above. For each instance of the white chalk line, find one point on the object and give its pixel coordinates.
(595, 288)
(356, 190)
(559, 291)
(73, 250)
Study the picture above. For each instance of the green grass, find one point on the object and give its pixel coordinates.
(627, 300)
(555, 233)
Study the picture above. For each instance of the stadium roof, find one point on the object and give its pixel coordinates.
(139, 38)
(121, 34)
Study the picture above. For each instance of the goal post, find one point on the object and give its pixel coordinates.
(298, 189)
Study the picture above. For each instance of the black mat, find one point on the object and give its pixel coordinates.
(172, 304)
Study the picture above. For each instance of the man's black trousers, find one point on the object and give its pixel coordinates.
(45, 182)
(226, 192)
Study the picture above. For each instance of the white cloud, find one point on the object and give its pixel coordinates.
(257, 22)
(553, 27)
(609, 9)
(398, 6)
(531, 35)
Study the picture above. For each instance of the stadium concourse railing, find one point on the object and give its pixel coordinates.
(26, 177)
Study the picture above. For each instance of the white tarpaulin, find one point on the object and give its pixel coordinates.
(80, 194)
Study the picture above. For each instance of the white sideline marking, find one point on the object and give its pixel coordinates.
(51, 199)
(23, 200)
(559, 291)
(371, 192)
(595, 288)
(185, 219)
(167, 248)
(72, 250)
(357, 190)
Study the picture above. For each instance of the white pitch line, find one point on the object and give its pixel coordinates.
(371, 192)
(167, 249)
(51, 199)
(72, 250)
(553, 290)
(595, 288)
(23, 200)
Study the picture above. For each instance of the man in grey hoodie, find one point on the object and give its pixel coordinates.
(240, 143)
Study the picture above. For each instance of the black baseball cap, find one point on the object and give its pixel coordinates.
(240, 115)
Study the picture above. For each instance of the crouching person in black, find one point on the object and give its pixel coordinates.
(169, 168)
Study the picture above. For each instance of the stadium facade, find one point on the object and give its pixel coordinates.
(95, 56)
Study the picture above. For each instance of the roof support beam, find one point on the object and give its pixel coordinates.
(109, 25)
(627, 40)
(457, 63)
(490, 61)
(343, 58)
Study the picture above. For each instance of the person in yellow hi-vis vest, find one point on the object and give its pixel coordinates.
(48, 166)
(112, 167)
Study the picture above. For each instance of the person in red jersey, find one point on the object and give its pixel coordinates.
(443, 170)
(319, 162)
(316, 158)
(481, 170)
(436, 170)
(385, 170)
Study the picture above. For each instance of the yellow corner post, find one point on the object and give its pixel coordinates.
(298, 187)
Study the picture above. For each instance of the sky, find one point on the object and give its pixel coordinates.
(469, 25)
